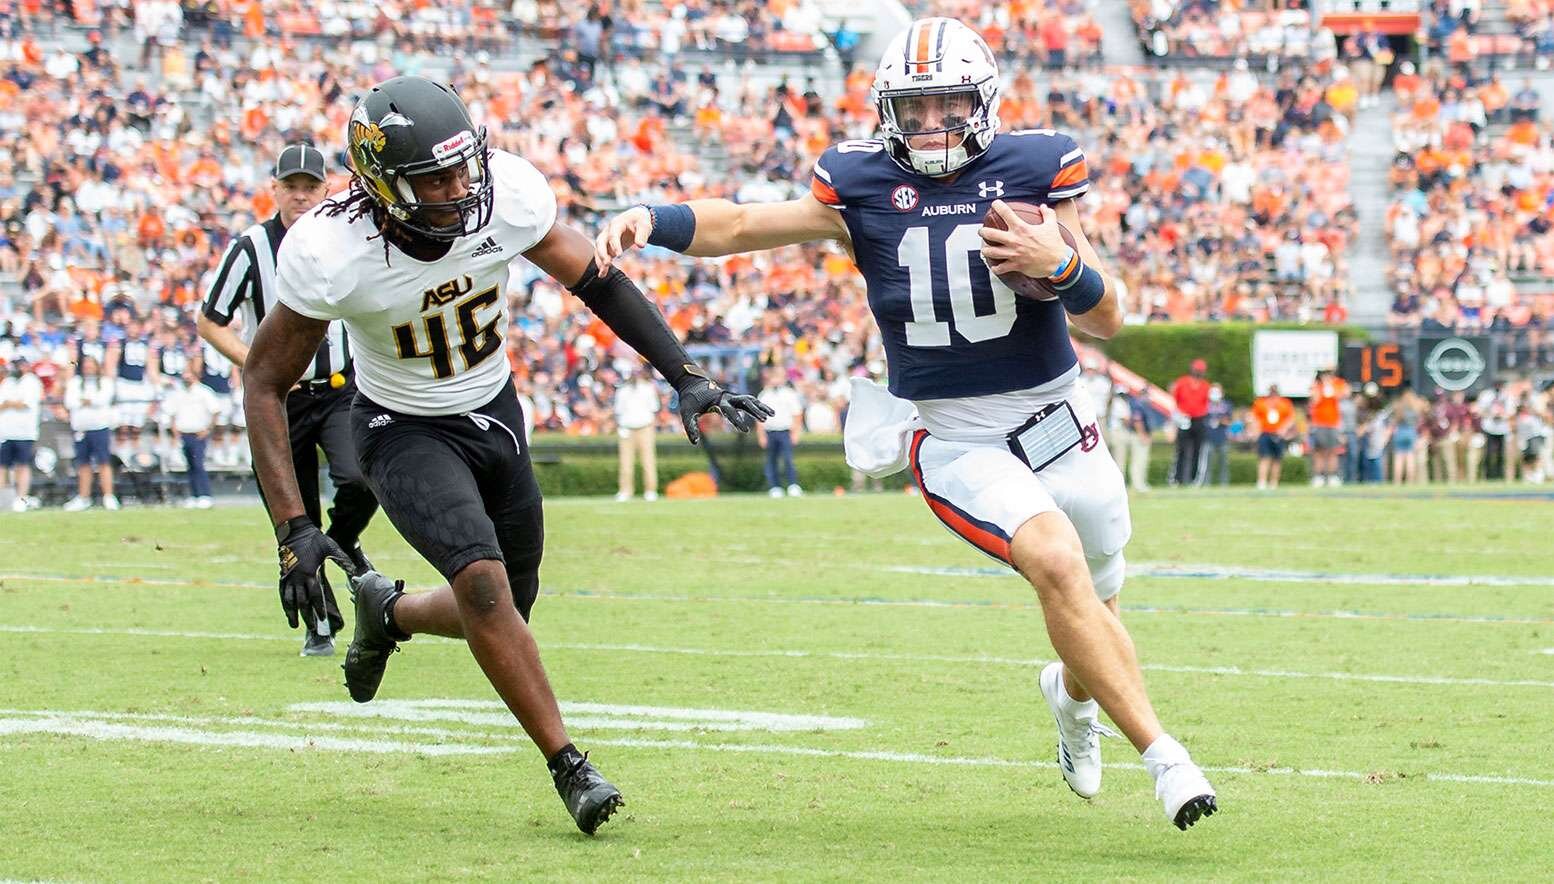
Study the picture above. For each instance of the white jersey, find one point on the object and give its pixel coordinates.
(21, 424)
(428, 338)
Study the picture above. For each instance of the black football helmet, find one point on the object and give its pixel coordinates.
(410, 126)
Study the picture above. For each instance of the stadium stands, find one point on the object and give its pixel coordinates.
(1029, 34)
(1471, 240)
(1219, 193)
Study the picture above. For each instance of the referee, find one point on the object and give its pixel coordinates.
(319, 407)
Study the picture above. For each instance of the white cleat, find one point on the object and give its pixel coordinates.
(1184, 791)
(1079, 734)
(77, 504)
(110, 502)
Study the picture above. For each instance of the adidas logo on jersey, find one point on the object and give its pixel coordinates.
(381, 420)
(489, 247)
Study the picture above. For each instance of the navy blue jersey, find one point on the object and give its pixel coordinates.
(134, 356)
(97, 349)
(951, 328)
(171, 361)
(215, 369)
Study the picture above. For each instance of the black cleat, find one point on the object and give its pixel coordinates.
(1194, 810)
(368, 654)
(588, 796)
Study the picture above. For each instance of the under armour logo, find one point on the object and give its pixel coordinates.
(381, 420)
(993, 189)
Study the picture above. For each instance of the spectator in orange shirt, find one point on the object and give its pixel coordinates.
(1275, 419)
(1326, 392)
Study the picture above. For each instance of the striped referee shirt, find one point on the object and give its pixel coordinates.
(245, 286)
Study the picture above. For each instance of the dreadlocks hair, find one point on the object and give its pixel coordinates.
(356, 203)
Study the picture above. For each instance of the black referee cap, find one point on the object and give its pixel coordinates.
(303, 159)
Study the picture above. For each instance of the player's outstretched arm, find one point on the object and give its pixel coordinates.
(569, 258)
(711, 228)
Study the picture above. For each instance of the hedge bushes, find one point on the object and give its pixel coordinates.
(1162, 353)
(576, 468)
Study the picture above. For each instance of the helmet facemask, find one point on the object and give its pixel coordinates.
(473, 210)
(937, 130)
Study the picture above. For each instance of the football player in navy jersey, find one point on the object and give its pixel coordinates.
(130, 359)
(88, 342)
(1003, 446)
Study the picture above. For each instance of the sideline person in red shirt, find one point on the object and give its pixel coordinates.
(1191, 392)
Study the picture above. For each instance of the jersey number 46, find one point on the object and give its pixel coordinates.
(477, 340)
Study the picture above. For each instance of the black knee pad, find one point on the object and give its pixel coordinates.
(524, 578)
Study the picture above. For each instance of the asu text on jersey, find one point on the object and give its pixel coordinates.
(951, 328)
(425, 332)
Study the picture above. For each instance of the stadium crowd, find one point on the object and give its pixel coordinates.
(1471, 213)
(1187, 29)
(1028, 34)
(1217, 196)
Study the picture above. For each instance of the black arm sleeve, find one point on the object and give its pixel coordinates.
(615, 299)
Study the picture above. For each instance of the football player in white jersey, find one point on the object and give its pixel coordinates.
(413, 258)
(1004, 447)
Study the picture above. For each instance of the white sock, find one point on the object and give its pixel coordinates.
(1164, 752)
(1067, 700)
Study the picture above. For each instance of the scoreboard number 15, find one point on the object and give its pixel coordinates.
(1381, 364)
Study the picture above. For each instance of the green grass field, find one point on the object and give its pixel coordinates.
(1365, 712)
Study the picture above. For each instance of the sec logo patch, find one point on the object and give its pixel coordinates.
(904, 198)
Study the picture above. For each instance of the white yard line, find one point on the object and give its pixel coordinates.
(93, 725)
(966, 659)
(597, 716)
(102, 730)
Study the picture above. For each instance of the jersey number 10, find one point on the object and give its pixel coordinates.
(925, 329)
(476, 341)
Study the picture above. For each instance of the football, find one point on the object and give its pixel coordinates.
(1039, 289)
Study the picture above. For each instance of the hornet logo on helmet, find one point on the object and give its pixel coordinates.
(367, 136)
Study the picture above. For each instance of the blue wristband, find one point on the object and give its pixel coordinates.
(674, 226)
(1082, 290)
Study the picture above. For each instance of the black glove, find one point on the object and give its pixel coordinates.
(303, 549)
(701, 395)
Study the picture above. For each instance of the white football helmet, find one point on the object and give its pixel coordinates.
(937, 77)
